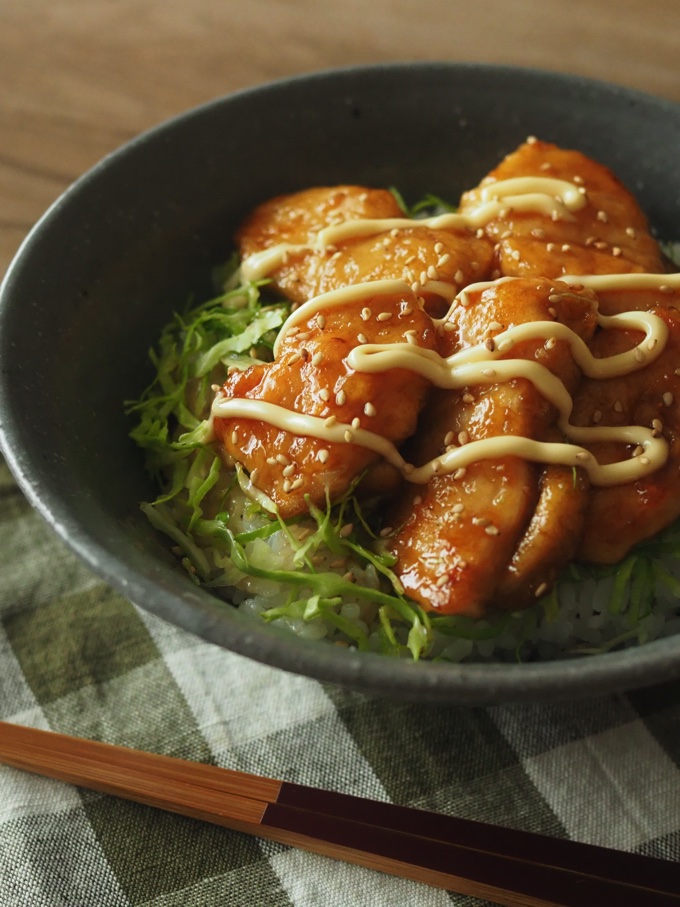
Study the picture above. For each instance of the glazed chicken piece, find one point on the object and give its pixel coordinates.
(499, 530)
(311, 375)
(608, 235)
(649, 397)
(416, 254)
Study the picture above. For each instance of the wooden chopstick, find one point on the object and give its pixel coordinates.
(501, 865)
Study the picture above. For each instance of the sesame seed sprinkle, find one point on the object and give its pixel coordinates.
(369, 409)
(362, 338)
(323, 456)
(341, 398)
(667, 399)
(317, 358)
(384, 316)
(282, 459)
(325, 394)
(366, 313)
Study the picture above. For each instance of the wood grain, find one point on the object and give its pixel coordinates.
(79, 78)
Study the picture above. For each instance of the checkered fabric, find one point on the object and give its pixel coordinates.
(78, 658)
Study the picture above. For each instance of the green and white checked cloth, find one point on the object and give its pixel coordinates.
(76, 657)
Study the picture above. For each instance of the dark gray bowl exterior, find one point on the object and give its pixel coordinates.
(137, 236)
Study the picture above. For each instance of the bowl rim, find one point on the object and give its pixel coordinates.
(467, 683)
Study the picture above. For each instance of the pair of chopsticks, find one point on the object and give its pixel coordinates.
(501, 865)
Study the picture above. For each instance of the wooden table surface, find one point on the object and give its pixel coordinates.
(80, 77)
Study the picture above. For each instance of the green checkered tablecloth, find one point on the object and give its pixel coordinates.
(77, 658)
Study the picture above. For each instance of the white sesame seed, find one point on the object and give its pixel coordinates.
(323, 456)
(317, 358)
(295, 357)
(463, 437)
(616, 251)
(254, 475)
(492, 530)
(366, 313)
(287, 485)
(356, 423)
(638, 354)
(442, 580)
(448, 438)
(348, 436)
(384, 316)
(271, 461)
(304, 336)
(423, 277)
(362, 338)
(234, 437)
(630, 231)
(597, 416)
(488, 372)
(458, 508)
(468, 398)
(667, 399)
(282, 459)
(341, 398)
(321, 322)
(644, 461)
(566, 247)
(330, 421)
(602, 216)
(459, 473)
(550, 343)
(541, 590)
(369, 409)
(289, 470)
(325, 394)
(418, 500)
(298, 483)
(618, 406)
(639, 450)
(515, 255)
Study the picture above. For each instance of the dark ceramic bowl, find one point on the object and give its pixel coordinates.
(130, 241)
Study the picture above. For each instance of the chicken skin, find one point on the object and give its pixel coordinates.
(417, 254)
(648, 397)
(310, 375)
(462, 539)
(609, 234)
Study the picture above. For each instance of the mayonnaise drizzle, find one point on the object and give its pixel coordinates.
(542, 195)
(476, 365)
